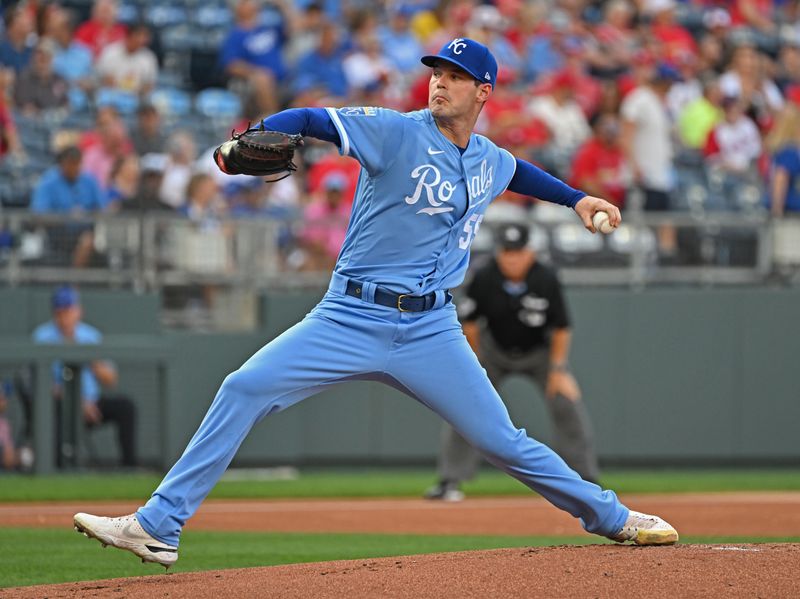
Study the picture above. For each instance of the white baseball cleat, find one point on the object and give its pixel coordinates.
(644, 529)
(126, 533)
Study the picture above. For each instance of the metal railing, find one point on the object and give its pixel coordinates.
(154, 251)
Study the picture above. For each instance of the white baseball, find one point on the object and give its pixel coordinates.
(600, 222)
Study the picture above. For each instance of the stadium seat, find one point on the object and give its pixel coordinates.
(212, 16)
(218, 104)
(540, 240)
(161, 15)
(546, 212)
(81, 8)
(16, 192)
(696, 196)
(785, 246)
(173, 104)
(572, 243)
(128, 13)
(204, 68)
(176, 44)
(124, 102)
(177, 38)
(503, 212)
(634, 240)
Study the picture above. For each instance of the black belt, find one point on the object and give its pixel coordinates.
(402, 301)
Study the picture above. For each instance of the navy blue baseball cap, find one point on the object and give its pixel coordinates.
(667, 72)
(65, 296)
(472, 56)
(512, 236)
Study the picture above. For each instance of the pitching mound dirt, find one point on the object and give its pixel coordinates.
(768, 570)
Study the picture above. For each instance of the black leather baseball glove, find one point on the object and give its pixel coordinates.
(259, 152)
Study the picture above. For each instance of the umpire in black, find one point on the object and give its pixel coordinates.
(515, 319)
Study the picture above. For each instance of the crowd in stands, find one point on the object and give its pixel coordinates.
(116, 105)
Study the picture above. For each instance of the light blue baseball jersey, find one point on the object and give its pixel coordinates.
(419, 200)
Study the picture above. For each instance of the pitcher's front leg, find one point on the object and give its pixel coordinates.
(460, 392)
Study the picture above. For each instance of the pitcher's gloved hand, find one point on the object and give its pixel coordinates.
(259, 152)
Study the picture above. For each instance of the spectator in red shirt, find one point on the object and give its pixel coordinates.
(757, 14)
(599, 167)
(9, 141)
(325, 223)
(504, 125)
(102, 29)
(102, 146)
(615, 40)
(587, 90)
(674, 39)
(330, 164)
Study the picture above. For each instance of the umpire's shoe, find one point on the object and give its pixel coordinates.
(445, 490)
(126, 533)
(644, 529)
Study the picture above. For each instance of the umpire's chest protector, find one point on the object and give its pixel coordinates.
(419, 200)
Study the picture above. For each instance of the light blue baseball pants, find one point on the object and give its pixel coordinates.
(424, 354)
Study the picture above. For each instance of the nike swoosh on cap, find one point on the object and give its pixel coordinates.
(432, 152)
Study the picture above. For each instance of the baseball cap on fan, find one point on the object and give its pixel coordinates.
(472, 56)
(65, 296)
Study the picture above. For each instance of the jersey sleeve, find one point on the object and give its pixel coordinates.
(372, 136)
(506, 167)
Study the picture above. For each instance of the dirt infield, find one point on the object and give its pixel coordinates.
(728, 514)
(591, 571)
(765, 570)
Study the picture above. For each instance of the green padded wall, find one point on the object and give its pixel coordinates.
(669, 376)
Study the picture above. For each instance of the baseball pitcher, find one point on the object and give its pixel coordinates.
(426, 180)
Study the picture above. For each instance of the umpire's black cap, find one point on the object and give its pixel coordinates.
(512, 236)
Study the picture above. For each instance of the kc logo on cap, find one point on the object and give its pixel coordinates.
(472, 56)
(457, 45)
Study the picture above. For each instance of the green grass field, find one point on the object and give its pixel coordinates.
(367, 482)
(39, 556)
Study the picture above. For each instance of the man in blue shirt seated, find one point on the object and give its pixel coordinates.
(320, 73)
(253, 53)
(66, 327)
(15, 44)
(64, 189)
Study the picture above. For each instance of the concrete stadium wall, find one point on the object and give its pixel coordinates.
(668, 375)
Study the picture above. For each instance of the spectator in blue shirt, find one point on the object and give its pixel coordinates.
(64, 189)
(98, 406)
(72, 60)
(320, 72)
(400, 46)
(253, 52)
(16, 45)
(488, 26)
(783, 142)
